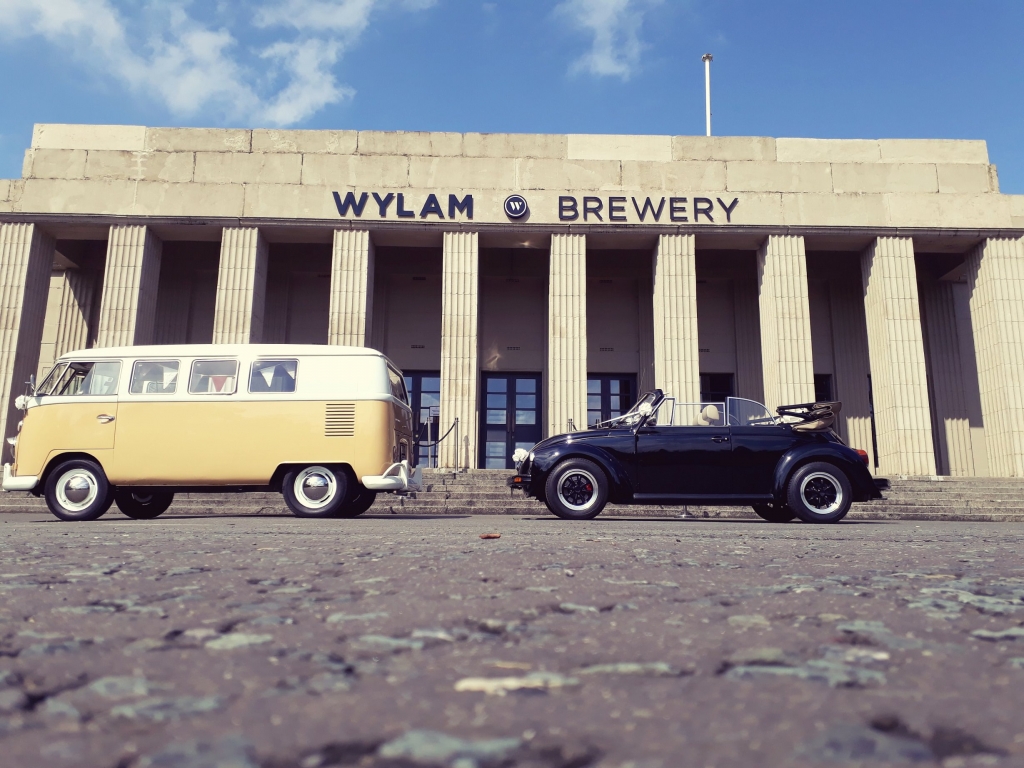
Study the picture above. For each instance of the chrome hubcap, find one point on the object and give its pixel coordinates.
(578, 490)
(77, 489)
(821, 493)
(315, 487)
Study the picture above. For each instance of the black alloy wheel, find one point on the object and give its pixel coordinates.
(774, 513)
(577, 489)
(142, 505)
(819, 492)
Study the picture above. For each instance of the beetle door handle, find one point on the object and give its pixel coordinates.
(719, 439)
(105, 418)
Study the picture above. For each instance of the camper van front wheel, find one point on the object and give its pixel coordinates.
(315, 491)
(78, 490)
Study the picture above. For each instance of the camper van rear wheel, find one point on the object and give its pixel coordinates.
(315, 491)
(78, 490)
(142, 505)
(361, 501)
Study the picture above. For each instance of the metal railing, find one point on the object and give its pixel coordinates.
(432, 460)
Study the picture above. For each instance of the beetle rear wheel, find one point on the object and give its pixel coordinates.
(576, 489)
(819, 493)
(774, 513)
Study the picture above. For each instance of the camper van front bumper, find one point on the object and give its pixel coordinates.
(23, 483)
(397, 477)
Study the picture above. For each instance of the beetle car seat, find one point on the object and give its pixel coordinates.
(709, 416)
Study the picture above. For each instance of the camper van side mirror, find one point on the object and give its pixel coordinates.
(31, 384)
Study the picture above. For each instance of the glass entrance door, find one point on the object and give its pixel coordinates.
(609, 396)
(511, 417)
(424, 388)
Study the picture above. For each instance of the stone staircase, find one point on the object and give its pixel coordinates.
(483, 492)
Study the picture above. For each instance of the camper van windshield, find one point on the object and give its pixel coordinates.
(80, 378)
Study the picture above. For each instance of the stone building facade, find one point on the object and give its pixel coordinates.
(527, 284)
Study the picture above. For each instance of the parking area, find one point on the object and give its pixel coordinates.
(268, 641)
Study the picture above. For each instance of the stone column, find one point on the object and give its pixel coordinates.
(852, 364)
(241, 287)
(68, 309)
(950, 424)
(898, 376)
(567, 333)
(676, 351)
(645, 379)
(749, 372)
(26, 261)
(786, 355)
(130, 281)
(460, 318)
(351, 288)
(995, 277)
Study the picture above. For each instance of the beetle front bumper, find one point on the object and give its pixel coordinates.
(397, 477)
(22, 483)
(519, 482)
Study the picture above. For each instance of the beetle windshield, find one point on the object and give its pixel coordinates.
(644, 407)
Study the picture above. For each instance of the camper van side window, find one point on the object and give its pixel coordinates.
(213, 377)
(397, 386)
(273, 376)
(154, 377)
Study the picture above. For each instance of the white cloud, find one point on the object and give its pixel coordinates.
(194, 68)
(614, 26)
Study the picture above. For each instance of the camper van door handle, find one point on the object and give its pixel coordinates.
(105, 418)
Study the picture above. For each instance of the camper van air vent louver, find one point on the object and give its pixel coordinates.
(340, 420)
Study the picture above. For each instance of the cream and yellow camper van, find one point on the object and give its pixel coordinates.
(328, 427)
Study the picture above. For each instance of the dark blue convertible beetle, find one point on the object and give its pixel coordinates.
(734, 453)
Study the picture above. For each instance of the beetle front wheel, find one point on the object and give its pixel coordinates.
(577, 489)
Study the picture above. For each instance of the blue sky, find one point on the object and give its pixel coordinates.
(935, 69)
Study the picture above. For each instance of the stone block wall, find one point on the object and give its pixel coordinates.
(133, 170)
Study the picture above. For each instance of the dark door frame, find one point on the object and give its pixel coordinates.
(533, 433)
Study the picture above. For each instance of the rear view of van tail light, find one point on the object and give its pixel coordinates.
(863, 456)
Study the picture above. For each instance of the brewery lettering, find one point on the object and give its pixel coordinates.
(679, 210)
(350, 204)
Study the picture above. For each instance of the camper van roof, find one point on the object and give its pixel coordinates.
(220, 350)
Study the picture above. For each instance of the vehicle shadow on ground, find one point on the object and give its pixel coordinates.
(718, 520)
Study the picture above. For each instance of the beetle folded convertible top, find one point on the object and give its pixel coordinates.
(811, 417)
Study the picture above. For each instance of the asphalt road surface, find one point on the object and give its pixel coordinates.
(269, 641)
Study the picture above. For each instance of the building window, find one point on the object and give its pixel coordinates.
(715, 387)
(424, 391)
(609, 396)
(823, 388)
